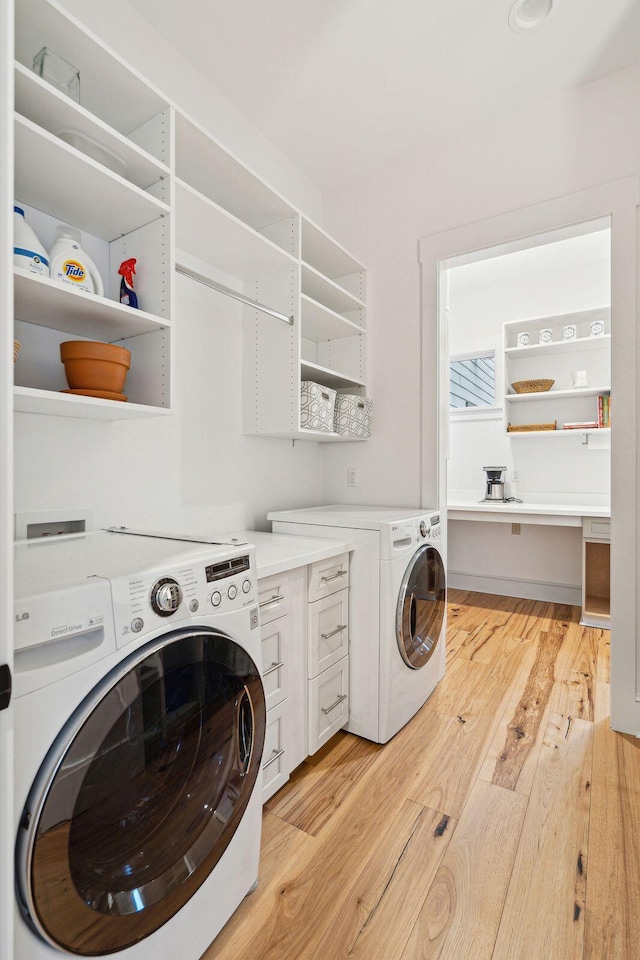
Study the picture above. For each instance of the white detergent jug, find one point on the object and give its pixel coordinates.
(28, 252)
(70, 264)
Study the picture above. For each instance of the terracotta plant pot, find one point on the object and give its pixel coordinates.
(90, 365)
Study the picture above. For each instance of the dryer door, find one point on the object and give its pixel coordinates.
(141, 792)
(421, 607)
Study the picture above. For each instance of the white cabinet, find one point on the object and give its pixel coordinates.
(596, 572)
(282, 601)
(328, 649)
(276, 759)
(550, 356)
(166, 192)
(121, 203)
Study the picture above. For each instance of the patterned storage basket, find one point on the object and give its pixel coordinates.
(353, 416)
(317, 404)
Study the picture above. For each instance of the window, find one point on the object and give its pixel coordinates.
(472, 380)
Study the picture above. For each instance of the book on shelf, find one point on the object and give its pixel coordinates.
(581, 425)
(604, 410)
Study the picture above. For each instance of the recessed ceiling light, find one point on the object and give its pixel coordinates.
(525, 14)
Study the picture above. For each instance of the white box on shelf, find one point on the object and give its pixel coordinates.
(317, 405)
(353, 416)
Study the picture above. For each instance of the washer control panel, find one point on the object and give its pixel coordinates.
(195, 590)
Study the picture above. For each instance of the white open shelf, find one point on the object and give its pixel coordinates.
(327, 377)
(320, 323)
(109, 88)
(556, 395)
(602, 431)
(559, 346)
(207, 231)
(206, 165)
(47, 175)
(48, 303)
(31, 400)
(53, 111)
(324, 254)
(318, 287)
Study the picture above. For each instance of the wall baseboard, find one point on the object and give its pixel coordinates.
(527, 589)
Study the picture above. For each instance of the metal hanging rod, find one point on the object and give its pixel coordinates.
(228, 292)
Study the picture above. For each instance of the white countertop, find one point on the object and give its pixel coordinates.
(559, 514)
(277, 552)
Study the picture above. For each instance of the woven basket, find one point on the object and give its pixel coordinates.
(16, 349)
(532, 386)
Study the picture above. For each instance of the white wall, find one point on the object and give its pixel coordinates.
(194, 470)
(553, 149)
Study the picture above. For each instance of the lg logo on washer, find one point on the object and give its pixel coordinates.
(22, 616)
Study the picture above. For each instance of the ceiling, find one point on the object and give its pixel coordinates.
(343, 86)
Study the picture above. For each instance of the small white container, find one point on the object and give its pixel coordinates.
(597, 328)
(524, 339)
(317, 406)
(569, 331)
(353, 416)
(546, 335)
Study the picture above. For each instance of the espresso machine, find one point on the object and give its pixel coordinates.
(495, 484)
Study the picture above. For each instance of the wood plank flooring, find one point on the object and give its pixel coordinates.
(502, 823)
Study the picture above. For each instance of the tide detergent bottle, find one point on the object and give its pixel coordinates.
(70, 264)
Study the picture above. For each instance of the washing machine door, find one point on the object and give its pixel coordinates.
(421, 607)
(141, 793)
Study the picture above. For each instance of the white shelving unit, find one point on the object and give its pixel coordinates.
(174, 197)
(557, 360)
(122, 214)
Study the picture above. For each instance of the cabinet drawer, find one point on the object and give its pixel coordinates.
(598, 528)
(276, 645)
(274, 597)
(328, 576)
(275, 759)
(328, 631)
(328, 703)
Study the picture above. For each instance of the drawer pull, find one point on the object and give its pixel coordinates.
(276, 598)
(274, 666)
(272, 759)
(338, 629)
(342, 697)
(336, 576)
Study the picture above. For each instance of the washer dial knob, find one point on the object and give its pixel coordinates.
(166, 596)
(423, 529)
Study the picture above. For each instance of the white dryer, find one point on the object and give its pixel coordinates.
(397, 607)
(139, 729)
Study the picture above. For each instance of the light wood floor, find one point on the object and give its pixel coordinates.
(502, 822)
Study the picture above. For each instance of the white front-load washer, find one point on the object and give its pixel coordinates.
(397, 607)
(139, 728)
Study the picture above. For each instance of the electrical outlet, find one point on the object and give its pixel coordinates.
(515, 528)
(352, 476)
(515, 476)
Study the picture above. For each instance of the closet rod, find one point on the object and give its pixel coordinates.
(228, 292)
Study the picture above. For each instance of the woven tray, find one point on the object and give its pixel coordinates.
(532, 386)
(530, 427)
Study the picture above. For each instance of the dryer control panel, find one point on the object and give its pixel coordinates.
(194, 591)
